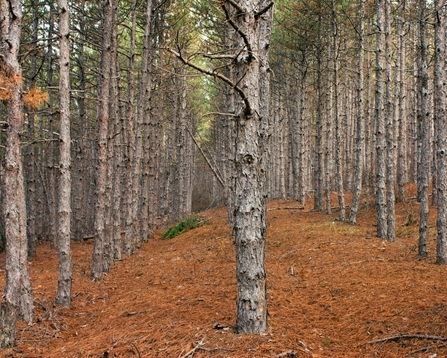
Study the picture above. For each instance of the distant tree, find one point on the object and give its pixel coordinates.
(402, 176)
(102, 200)
(440, 99)
(389, 125)
(360, 120)
(338, 125)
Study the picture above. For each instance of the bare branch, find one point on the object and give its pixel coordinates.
(263, 11)
(216, 174)
(236, 6)
(407, 336)
(218, 57)
(216, 74)
(239, 31)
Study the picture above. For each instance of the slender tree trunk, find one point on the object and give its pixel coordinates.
(116, 147)
(143, 110)
(318, 172)
(80, 172)
(51, 197)
(338, 129)
(98, 259)
(303, 140)
(17, 299)
(440, 118)
(359, 139)
(423, 125)
(64, 207)
(30, 158)
(380, 126)
(402, 177)
(390, 165)
(131, 183)
(330, 113)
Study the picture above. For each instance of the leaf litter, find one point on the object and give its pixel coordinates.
(334, 290)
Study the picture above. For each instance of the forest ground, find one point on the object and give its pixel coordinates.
(332, 289)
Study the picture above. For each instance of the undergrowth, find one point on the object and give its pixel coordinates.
(191, 222)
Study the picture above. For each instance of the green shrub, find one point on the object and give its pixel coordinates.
(191, 222)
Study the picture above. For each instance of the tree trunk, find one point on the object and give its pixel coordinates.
(423, 116)
(338, 129)
(440, 117)
(98, 259)
(380, 126)
(17, 297)
(359, 138)
(319, 163)
(402, 177)
(390, 165)
(64, 207)
(250, 212)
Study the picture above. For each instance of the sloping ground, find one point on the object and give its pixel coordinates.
(333, 288)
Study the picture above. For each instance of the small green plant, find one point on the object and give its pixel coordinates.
(191, 222)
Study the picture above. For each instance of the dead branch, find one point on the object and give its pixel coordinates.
(214, 73)
(407, 336)
(289, 353)
(216, 174)
(236, 6)
(287, 208)
(288, 253)
(133, 345)
(240, 32)
(263, 11)
(198, 345)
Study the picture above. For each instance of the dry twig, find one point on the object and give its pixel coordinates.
(198, 345)
(407, 336)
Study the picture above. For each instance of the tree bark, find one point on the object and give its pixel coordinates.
(390, 164)
(17, 297)
(380, 126)
(98, 259)
(64, 208)
(440, 117)
(359, 139)
(402, 177)
(250, 213)
(423, 117)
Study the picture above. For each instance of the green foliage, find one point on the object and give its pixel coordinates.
(191, 222)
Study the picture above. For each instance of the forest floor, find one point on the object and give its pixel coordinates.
(333, 289)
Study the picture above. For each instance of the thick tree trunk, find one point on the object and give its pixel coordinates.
(250, 213)
(17, 297)
(64, 207)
